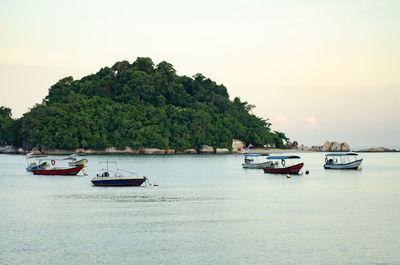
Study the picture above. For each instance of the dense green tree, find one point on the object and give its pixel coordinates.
(9, 128)
(137, 105)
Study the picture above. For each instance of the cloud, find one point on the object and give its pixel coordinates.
(311, 123)
(283, 122)
(312, 120)
(280, 118)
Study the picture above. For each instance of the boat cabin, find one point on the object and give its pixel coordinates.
(340, 158)
(254, 161)
(342, 161)
(254, 158)
(281, 161)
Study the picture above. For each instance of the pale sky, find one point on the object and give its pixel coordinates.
(319, 70)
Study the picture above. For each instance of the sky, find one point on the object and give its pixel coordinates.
(318, 70)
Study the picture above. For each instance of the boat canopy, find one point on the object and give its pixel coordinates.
(256, 154)
(346, 154)
(74, 155)
(36, 156)
(45, 157)
(283, 157)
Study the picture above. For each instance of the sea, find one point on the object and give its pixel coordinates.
(206, 209)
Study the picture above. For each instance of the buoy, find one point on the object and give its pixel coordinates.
(288, 176)
(155, 183)
(307, 172)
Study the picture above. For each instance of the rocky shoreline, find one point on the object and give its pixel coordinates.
(237, 147)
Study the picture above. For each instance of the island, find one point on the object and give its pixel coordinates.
(137, 107)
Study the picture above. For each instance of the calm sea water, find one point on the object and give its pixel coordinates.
(206, 210)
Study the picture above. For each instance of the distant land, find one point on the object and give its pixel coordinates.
(137, 106)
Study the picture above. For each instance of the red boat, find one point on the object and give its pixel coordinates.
(58, 171)
(275, 167)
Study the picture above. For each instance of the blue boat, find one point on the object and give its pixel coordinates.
(342, 161)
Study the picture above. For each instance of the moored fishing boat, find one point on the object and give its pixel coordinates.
(342, 161)
(276, 167)
(77, 160)
(108, 177)
(59, 166)
(254, 161)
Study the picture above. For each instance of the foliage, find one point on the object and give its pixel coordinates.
(138, 105)
(9, 128)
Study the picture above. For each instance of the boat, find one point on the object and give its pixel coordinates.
(51, 166)
(254, 161)
(108, 177)
(278, 165)
(342, 161)
(76, 161)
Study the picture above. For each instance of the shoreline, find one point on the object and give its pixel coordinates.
(154, 151)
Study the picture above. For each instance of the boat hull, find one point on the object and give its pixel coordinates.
(118, 181)
(58, 171)
(352, 165)
(285, 170)
(255, 165)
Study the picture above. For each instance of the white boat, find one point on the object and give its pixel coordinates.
(56, 165)
(255, 161)
(342, 161)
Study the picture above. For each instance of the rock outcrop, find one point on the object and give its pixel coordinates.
(378, 149)
(316, 148)
(8, 149)
(332, 147)
(169, 151)
(205, 149)
(151, 151)
(237, 146)
(221, 150)
(345, 147)
(292, 145)
(189, 151)
(326, 146)
(335, 147)
(302, 147)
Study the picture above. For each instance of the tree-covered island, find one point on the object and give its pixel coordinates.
(137, 105)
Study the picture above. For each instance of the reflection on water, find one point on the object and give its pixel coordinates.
(207, 210)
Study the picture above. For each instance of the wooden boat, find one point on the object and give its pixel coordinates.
(254, 161)
(276, 167)
(51, 166)
(342, 161)
(58, 171)
(109, 177)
